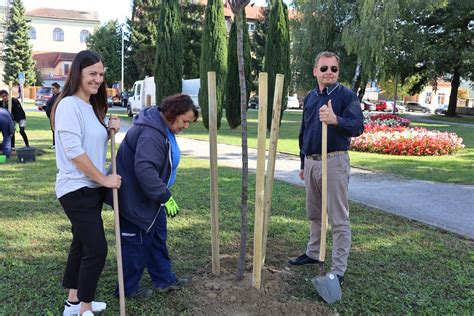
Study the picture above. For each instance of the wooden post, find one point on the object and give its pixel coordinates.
(10, 89)
(260, 181)
(118, 244)
(211, 85)
(324, 192)
(277, 100)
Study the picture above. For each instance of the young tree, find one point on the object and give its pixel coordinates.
(232, 90)
(18, 54)
(107, 42)
(257, 45)
(238, 7)
(277, 53)
(169, 51)
(213, 58)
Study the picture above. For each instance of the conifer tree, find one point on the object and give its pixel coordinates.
(277, 53)
(18, 52)
(213, 58)
(169, 51)
(232, 86)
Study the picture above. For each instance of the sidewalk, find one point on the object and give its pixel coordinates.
(447, 206)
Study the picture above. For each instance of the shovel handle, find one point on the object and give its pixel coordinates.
(324, 191)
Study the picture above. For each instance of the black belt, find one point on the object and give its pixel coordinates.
(331, 154)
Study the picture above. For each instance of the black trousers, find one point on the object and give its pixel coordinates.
(23, 134)
(88, 249)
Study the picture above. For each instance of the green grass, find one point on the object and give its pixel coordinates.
(464, 119)
(396, 266)
(458, 168)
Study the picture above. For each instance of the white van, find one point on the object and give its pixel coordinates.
(143, 94)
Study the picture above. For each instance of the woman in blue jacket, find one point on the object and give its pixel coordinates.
(147, 161)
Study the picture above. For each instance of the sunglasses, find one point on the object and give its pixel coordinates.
(325, 68)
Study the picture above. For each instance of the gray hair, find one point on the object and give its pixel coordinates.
(326, 55)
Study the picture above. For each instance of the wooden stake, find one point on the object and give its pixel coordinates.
(260, 180)
(118, 243)
(211, 84)
(277, 100)
(324, 192)
(10, 96)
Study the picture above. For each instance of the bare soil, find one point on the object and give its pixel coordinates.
(224, 295)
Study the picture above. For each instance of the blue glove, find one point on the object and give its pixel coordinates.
(172, 209)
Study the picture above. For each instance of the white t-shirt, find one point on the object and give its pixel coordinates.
(77, 131)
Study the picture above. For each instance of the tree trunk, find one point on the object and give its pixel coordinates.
(361, 93)
(453, 97)
(245, 164)
(356, 78)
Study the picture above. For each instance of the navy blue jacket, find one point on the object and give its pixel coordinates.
(350, 120)
(143, 162)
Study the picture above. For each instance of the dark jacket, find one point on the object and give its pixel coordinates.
(17, 110)
(350, 120)
(143, 162)
(50, 103)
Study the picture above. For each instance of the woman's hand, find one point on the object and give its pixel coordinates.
(114, 123)
(112, 181)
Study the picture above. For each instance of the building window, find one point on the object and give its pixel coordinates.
(58, 35)
(32, 33)
(441, 97)
(251, 26)
(65, 69)
(84, 36)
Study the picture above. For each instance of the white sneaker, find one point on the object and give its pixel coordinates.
(87, 313)
(74, 310)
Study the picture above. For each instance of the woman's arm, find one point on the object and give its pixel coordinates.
(84, 164)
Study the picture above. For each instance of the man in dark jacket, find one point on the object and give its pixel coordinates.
(6, 126)
(147, 161)
(18, 116)
(55, 88)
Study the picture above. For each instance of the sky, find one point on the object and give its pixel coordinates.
(107, 9)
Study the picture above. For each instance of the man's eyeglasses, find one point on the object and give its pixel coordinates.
(325, 68)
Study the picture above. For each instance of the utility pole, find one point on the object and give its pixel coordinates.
(121, 79)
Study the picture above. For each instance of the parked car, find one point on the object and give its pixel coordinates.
(253, 102)
(415, 106)
(42, 96)
(400, 108)
(442, 109)
(365, 105)
(383, 105)
(293, 102)
(124, 95)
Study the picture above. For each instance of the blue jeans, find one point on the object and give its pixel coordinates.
(141, 249)
(6, 127)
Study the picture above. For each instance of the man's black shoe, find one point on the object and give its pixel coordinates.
(340, 278)
(302, 260)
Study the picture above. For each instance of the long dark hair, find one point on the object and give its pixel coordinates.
(98, 101)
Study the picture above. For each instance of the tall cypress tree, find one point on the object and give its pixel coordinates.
(18, 52)
(169, 51)
(232, 90)
(213, 58)
(277, 53)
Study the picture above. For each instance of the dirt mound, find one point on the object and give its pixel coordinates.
(224, 295)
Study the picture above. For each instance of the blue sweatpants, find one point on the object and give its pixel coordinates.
(141, 249)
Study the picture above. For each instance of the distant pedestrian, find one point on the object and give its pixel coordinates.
(148, 159)
(339, 108)
(6, 126)
(81, 147)
(55, 88)
(18, 116)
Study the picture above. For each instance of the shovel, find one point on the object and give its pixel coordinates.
(118, 244)
(327, 286)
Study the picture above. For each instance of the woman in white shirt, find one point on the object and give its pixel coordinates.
(81, 145)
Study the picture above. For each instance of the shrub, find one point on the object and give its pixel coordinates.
(401, 140)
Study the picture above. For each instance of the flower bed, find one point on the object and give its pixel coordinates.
(402, 140)
(386, 119)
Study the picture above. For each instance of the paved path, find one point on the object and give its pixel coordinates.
(447, 206)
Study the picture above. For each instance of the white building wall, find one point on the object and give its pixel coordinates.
(72, 29)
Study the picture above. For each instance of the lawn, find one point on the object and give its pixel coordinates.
(396, 266)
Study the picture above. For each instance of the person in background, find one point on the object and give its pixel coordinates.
(6, 126)
(339, 108)
(147, 159)
(55, 88)
(18, 116)
(81, 146)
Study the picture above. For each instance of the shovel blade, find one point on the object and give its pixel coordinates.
(328, 287)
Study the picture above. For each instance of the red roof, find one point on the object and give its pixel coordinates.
(251, 12)
(50, 60)
(64, 14)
